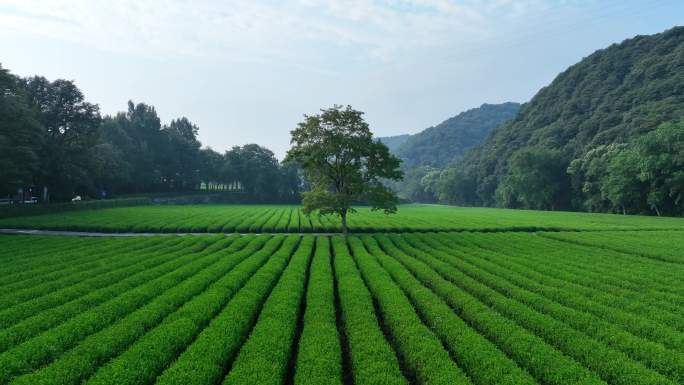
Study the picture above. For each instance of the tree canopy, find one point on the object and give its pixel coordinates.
(51, 137)
(600, 118)
(21, 135)
(446, 142)
(436, 147)
(343, 164)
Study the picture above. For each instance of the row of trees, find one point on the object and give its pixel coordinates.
(55, 143)
(645, 175)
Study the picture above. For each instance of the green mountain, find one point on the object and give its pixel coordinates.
(614, 97)
(393, 142)
(441, 144)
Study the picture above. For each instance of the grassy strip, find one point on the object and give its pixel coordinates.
(38, 351)
(484, 363)
(372, 359)
(421, 350)
(23, 329)
(544, 362)
(606, 325)
(319, 358)
(201, 297)
(204, 362)
(271, 342)
(613, 366)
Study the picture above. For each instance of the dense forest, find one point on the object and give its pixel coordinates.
(440, 145)
(393, 142)
(55, 145)
(606, 135)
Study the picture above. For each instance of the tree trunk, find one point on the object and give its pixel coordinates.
(656, 210)
(624, 212)
(343, 214)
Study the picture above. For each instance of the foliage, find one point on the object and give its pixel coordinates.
(203, 361)
(558, 319)
(481, 359)
(213, 218)
(536, 179)
(613, 96)
(319, 357)
(393, 142)
(147, 357)
(255, 168)
(640, 176)
(451, 185)
(342, 163)
(440, 145)
(373, 361)
(436, 147)
(21, 136)
(510, 307)
(272, 340)
(589, 173)
(411, 187)
(50, 137)
(661, 167)
(71, 133)
(420, 349)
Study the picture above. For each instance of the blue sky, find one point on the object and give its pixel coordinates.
(246, 71)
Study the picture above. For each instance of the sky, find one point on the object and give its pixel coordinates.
(246, 71)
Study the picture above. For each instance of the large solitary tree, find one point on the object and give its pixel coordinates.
(343, 164)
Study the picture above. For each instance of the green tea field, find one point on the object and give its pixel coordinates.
(495, 195)
(290, 219)
(421, 307)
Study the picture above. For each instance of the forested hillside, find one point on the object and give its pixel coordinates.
(438, 145)
(393, 142)
(605, 135)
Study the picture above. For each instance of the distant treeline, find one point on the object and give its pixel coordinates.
(52, 140)
(606, 135)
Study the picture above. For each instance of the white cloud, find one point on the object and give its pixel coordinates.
(257, 30)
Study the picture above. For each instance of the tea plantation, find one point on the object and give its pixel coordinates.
(290, 219)
(406, 299)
